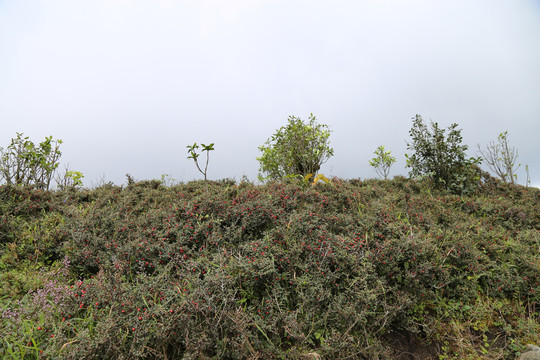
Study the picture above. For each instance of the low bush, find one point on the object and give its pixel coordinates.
(223, 270)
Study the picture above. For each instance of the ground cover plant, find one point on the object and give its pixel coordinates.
(373, 269)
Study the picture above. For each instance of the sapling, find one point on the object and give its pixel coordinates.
(501, 158)
(382, 162)
(70, 179)
(193, 155)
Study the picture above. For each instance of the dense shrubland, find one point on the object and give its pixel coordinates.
(218, 269)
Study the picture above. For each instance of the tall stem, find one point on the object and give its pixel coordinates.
(206, 167)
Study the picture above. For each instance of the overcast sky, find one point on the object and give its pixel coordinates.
(127, 85)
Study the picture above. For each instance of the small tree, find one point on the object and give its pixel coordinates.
(441, 158)
(297, 149)
(70, 179)
(13, 161)
(23, 163)
(194, 155)
(501, 158)
(382, 162)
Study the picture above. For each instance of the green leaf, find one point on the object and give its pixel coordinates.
(208, 147)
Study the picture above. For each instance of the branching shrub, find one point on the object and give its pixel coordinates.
(23, 163)
(441, 158)
(297, 149)
(501, 158)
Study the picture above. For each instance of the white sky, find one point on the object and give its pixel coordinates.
(129, 84)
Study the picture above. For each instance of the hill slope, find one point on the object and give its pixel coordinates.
(354, 269)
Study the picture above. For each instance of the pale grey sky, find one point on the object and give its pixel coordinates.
(128, 84)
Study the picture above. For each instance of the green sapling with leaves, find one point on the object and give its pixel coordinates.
(382, 162)
(193, 155)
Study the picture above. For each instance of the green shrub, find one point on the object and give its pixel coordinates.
(23, 163)
(223, 270)
(441, 158)
(297, 149)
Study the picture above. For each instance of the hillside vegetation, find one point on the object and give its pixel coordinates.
(374, 269)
